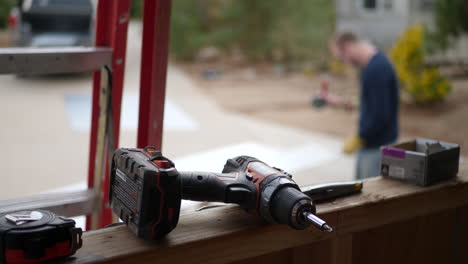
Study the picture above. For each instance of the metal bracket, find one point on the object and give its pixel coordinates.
(56, 60)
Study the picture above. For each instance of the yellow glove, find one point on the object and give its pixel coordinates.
(352, 144)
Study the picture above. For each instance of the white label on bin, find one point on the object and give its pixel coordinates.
(397, 172)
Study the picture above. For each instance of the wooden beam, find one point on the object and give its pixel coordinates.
(229, 234)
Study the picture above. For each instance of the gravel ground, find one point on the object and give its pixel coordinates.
(263, 93)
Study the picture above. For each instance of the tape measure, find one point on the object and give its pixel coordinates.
(37, 236)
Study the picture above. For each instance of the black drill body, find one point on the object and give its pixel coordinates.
(146, 192)
(254, 186)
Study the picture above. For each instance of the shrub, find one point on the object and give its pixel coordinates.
(5, 8)
(423, 84)
(450, 21)
(296, 29)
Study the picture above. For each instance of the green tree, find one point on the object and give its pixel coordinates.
(192, 27)
(298, 29)
(5, 8)
(451, 21)
(136, 8)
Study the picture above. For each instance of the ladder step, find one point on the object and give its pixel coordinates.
(53, 60)
(65, 204)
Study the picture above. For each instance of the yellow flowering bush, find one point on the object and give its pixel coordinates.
(424, 84)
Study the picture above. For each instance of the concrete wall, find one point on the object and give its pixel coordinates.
(421, 13)
(383, 25)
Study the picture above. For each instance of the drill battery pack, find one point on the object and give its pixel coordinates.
(145, 191)
(37, 236)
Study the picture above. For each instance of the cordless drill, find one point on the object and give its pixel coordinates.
(146, 192)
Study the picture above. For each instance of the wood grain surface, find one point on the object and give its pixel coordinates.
(387, 214)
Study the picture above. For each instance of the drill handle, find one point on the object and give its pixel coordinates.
(218, 187)
(204, 186)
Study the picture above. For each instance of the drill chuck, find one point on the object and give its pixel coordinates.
(292, 207)
(288, 205)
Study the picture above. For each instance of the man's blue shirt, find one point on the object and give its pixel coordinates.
(378, 123)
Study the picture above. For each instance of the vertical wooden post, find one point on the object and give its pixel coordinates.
(156, 26)
(342, 249)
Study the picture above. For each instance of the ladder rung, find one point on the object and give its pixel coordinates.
(65, 204)
(53, 60)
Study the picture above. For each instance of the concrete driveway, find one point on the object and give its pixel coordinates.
(44, 132)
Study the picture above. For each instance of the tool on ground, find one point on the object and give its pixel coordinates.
(37, 236)
(325, 98)
(146, 192)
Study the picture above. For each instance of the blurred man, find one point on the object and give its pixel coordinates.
(378, 120)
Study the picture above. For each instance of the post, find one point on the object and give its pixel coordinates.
(111, 31)
(156, 26)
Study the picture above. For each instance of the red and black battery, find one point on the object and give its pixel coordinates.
(37, 236)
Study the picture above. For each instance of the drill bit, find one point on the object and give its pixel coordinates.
(315, 220)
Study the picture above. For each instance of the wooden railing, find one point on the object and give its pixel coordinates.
(390, 222)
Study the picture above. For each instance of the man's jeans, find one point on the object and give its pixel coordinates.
(368, 163)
